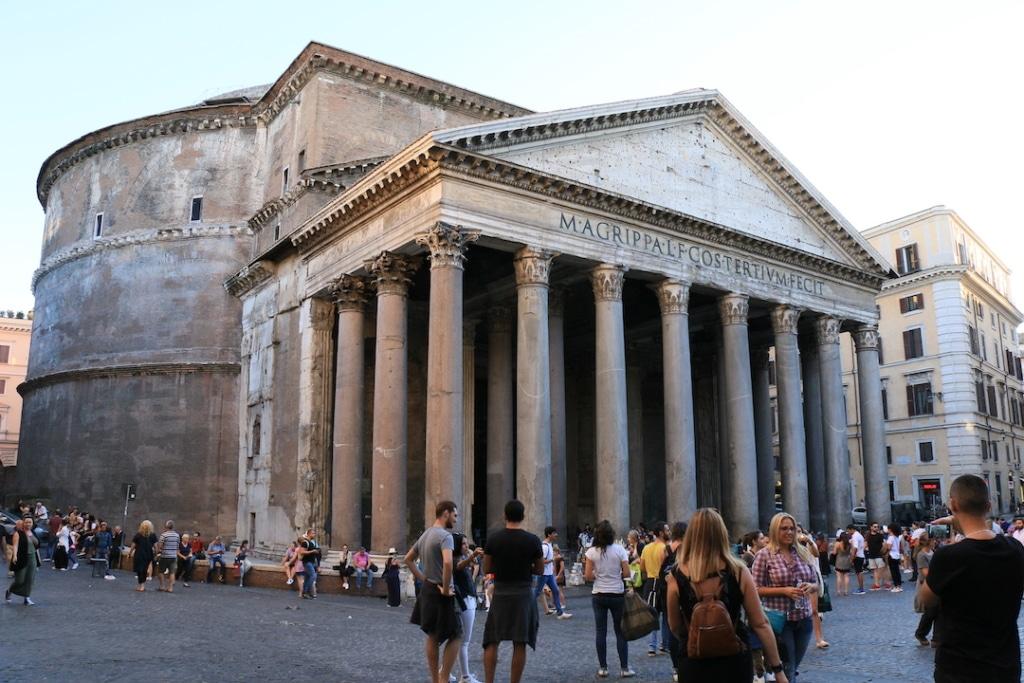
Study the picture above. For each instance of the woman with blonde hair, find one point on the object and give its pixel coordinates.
(785, 576)
(705, 563)
(142, 552)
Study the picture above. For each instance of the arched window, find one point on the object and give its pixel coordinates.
(254, 441)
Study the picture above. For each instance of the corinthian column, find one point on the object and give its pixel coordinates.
(469, 425)
(680, 451)
(533, 387)
(315, 324)
(612, 431)
(763, 435)
(445, 435)
(390, 401)
(817, 492)
(500, 398)
(872, 424)
(635, 419)
(556, 344)
(792, 447)
(833, 414)
(350, 296)
(741, 453)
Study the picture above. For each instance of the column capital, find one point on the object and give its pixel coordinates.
(556, 302)
(733, 308)
(785, 319)
(320, 315)
(499, 319)
(826, 329)
(533, 266)
(673, 296)
(607, 282)
(350, 292)
(392, 272)
(447, 244)
(865, 337)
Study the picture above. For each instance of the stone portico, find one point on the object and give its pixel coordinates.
(574, 309)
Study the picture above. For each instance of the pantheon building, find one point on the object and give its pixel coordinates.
(333, 301)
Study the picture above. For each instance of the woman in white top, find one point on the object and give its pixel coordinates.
(894, 555)
(607, 564)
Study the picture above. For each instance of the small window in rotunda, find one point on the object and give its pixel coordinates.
(195, 213)
(98, 226)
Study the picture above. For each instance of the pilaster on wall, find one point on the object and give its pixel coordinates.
(312, 472)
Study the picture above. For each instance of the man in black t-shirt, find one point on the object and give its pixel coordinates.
(980, 581)
(514, 556)
(873, 552)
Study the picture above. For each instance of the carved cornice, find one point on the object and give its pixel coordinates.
(499, 319)
(865, 338)
(359, 69)
(350, 292)
(92, 247)
(535, 132)
(249, 278)
(826, 330)
(447, 244)
(269, 211)
(392, 272)
(733, 309)
(118, 135)
(314, 59)
(704, 105)
(510, 174)
(134, 369)
(532, 266)
(673, 296)
(785, 319)
(366, 195)
(606, 281)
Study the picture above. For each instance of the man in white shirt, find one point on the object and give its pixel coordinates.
(547, 579)
(857, 543)
(1018, 529)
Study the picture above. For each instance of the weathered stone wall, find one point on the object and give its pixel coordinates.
(133, 370)
(171, 434)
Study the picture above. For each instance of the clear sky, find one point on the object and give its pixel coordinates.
(887, 107)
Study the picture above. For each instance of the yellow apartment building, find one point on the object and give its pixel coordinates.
(951, 363)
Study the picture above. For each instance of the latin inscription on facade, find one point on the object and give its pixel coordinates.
(695, 254)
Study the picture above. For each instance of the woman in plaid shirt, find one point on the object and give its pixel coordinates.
(784, 575)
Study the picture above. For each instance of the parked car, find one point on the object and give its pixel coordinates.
(8, 519)
(860, 515)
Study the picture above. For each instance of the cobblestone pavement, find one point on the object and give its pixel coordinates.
(90, 629)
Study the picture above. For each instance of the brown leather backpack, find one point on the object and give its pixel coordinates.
(711, 632)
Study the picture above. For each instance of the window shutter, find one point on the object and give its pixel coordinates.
(910, 401)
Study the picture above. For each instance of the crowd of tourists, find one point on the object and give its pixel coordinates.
(717, 611)
(727, 613)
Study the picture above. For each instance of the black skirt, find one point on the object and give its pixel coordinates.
(436, 614)
(513, 615)
(60, 558)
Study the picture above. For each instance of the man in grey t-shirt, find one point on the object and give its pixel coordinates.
(435, 611)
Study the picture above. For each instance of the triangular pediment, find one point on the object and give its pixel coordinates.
(690, 153)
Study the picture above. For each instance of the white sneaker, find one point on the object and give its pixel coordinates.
(564, 615)
(29, 602)
(602, 673)
(290, 581)
(469, 679)
(109, 577)
(627, 673)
